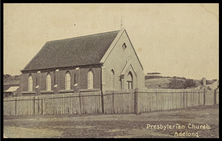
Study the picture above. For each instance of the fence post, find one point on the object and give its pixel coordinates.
(183, 99)
(63, 104)
(136, 101)
(80, 103)
(113, 102)
(186, 94)
(70, 111)
(172, 103)
(204, 97)
(193, 103)
(102, 102)
(38, 105)
(215, 97)
(16, 106)
(34, 105)
(43, 105)
(156, 106)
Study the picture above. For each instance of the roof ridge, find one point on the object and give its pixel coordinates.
(83, 36)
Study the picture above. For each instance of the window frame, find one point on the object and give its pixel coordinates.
(130, 82)
(90, 79)
(67, 81)
(30, 83)
(48, 82)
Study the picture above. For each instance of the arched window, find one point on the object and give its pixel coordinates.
(90, 79)
(67, 81)
(48, 82)
(112, 79)
(30, 83)
(130, 80)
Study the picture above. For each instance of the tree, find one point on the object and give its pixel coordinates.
(180, 84)
(189, 83)
(16, 77)
(6, 76)
(176, 84)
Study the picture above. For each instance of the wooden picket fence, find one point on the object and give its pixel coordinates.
(164, 99)
(217, 96)
(68, 103)
(107, 102)
(119, 101)
(151, 100)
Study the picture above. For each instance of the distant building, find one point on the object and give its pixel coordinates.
(212, 86)
(153, 74)
(10, 90)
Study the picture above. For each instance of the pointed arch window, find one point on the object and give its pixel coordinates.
(90, 79)
(48, 82)
(130, 80)
(67, 81)
(30, 83)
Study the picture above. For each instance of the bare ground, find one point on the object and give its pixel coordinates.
(115, 126)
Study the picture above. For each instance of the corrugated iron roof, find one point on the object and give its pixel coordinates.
(12, 89)
(7, 86)
(77, 51)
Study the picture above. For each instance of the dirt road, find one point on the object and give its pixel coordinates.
(180, 123)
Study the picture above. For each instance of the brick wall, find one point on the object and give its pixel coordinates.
(96, 78)
(59, 78)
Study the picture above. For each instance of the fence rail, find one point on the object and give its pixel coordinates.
(107, 102)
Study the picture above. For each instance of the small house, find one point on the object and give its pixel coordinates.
(10, 90)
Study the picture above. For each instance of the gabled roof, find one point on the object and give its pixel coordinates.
(114, 43)
(77, 51)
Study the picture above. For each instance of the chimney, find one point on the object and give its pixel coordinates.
(204, 81)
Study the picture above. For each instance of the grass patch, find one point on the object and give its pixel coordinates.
(117, 126)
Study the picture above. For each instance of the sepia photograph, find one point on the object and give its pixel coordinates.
(116, 70)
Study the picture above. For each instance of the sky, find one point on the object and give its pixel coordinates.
(172, 39)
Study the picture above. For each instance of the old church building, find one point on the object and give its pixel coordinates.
(103, 61)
